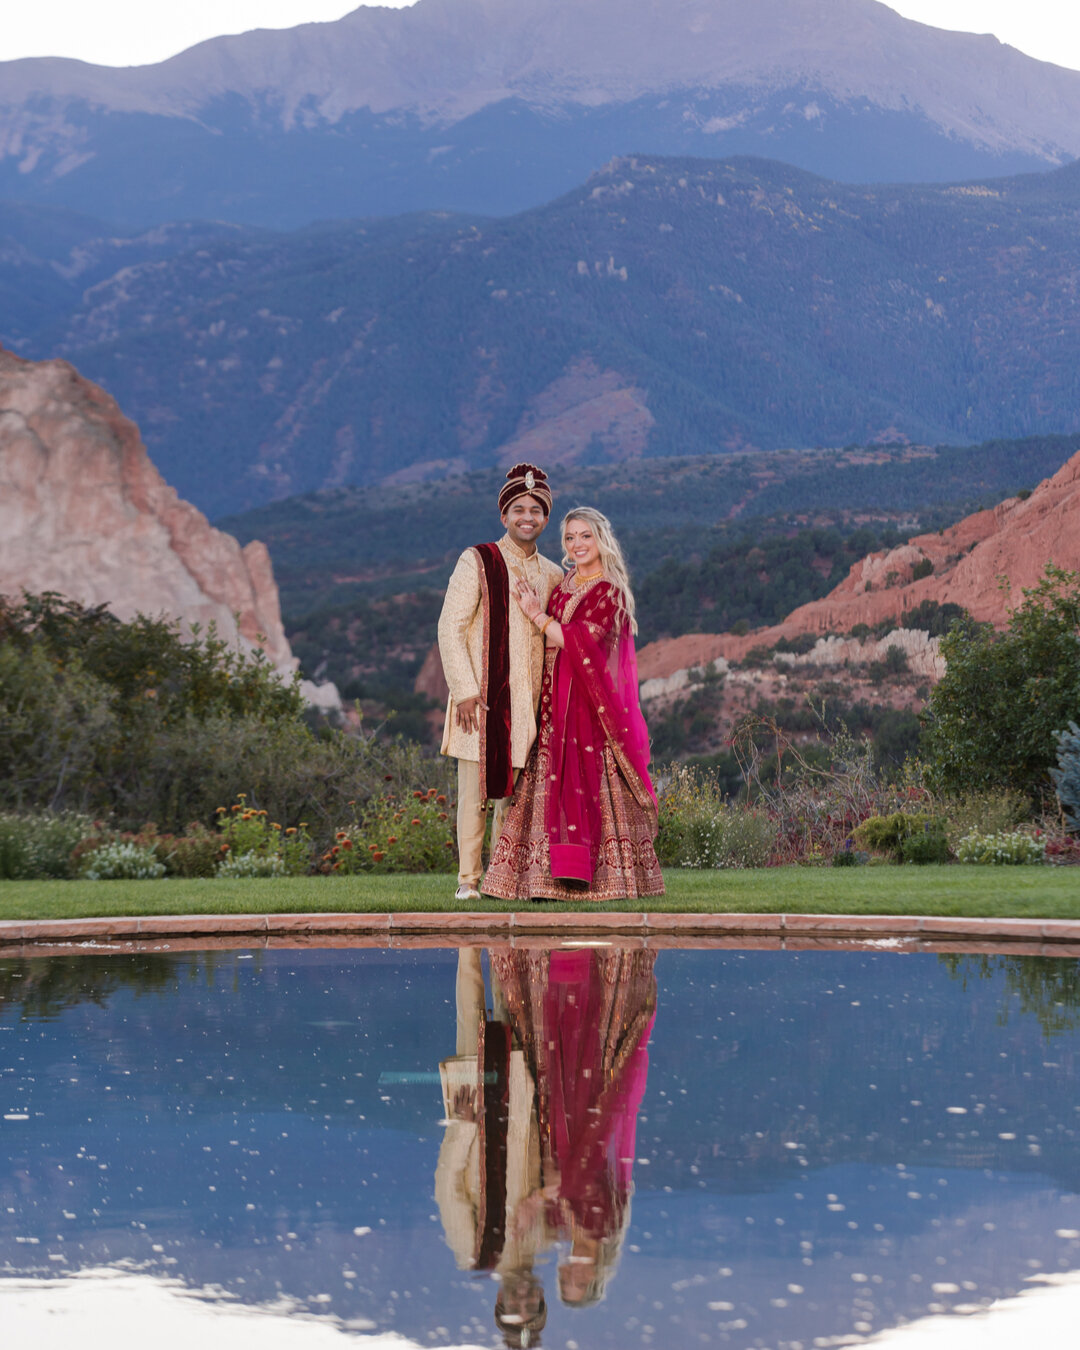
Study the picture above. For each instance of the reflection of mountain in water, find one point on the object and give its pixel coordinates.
(801, 1156)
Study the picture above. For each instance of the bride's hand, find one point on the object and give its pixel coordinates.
(529, 601)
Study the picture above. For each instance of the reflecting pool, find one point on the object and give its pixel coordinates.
(591, 1145)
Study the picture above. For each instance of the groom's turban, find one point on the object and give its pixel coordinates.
(522, 480)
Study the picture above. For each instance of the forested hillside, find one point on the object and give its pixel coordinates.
(666, 308)
(712, 542)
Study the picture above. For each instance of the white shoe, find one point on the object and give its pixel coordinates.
(466, 892)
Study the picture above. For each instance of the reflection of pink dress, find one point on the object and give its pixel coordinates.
(583, 1019)
(583, 819)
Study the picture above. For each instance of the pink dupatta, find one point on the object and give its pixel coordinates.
(594, 703)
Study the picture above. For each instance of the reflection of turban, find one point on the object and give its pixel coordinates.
(522, 479)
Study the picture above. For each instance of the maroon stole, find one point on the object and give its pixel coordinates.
(493, 1123)
(496, 769)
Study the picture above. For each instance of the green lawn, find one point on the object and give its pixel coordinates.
(1044, 892)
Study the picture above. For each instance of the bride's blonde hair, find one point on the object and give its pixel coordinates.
(611, 557)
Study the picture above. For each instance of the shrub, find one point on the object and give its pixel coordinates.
(248, 831)
(51, 726)
(896, 659)
(397, 834)
(38, 846)
(818, 795)
(194, 854)
(123, 861)
(131, 723)
(989, 812)
(991, 720)
(1067, 774)
(1011, 847)
(251, 864)
(735, 835)
(699, 829)
(926, 846)
(905, 836)
(923, 568)
(932, 618)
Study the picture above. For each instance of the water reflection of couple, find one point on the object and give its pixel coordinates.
(515, 636)
(541, 1102)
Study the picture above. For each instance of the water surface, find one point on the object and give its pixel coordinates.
(751, 1149)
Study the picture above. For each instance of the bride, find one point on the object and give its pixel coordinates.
(583, 819)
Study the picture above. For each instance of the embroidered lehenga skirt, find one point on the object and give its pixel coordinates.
(626, 866)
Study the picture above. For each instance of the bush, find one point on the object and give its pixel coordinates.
(992, 719)
(52, 724)
(248, 832)
(123, 861)
(905, 836)
(1013, 847)
(988, 812)
(1067, 774)
(699, 829)
(39, 846)
(927, 846)
(251, 864)
(194, 854)
(130, 723)
(397, 834)
(932, 618)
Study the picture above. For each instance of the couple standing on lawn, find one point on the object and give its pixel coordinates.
(543, 716)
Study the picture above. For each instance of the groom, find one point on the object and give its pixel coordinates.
(493, 660)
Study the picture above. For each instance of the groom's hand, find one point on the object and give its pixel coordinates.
(467, 714)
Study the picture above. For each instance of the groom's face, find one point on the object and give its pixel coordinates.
(524, 519)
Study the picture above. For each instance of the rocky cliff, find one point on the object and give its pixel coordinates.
(961, 565)
(84, 512)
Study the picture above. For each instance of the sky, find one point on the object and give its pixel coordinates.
(134, 32)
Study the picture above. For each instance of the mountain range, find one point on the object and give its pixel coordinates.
(665, 307)
(493, 106)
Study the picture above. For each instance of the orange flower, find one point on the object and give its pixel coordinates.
(275, 826)
(336, 867)
(441, 799)
(372, 847)
(340, 834)
(291, 829)
(220, 810)
(224, 848)
(388, 777)
(432, 791)
(449, 844)
(378, 857)
(415, 820)
(443, 815)
(418, 795)
(347, 845)
(392, 839)
(335, 850)
(242, 796)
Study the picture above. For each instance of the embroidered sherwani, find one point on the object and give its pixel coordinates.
(461, 646)
(461, 639)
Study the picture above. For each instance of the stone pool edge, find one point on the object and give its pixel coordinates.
(1045, 937)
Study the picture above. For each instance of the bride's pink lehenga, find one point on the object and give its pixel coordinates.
(583, 819)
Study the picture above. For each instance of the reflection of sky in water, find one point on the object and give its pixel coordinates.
(829, 1145)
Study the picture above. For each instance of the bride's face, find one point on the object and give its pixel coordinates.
(582, 547)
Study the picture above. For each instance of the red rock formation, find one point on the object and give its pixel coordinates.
(1015, 540)
(84, 512)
